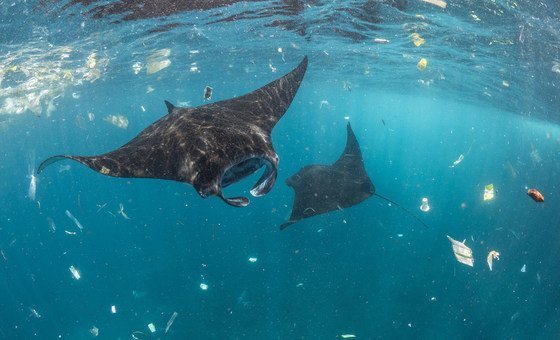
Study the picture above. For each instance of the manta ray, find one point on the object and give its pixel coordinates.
(210, 146)
(320, 189)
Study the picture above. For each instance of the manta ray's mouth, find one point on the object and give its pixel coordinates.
(246, 167)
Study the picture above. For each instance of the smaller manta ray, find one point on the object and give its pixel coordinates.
(320, 189)
(210, 146)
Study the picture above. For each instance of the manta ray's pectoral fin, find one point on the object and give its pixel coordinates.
(286, 225)
(170, 107)
(235, 201)
(266, 182)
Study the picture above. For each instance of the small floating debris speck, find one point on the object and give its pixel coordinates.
(535, 195)
(381, 41)
(488, 192)
(299, 285)
(113, 309)
(347, 336)
(52, 226)
(400, 235)
(208, 93)
(203, 286)
(75, 273)
(524, 268)
(68, 232)
(422, 64)
(425, 207)
(170, 322)
(94, 331)
(252, 259)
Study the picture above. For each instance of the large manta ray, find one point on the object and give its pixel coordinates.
(321, 189)
(210, 146)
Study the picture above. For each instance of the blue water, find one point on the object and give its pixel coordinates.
(370, 270)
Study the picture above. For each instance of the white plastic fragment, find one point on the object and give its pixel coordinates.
(439, 3)
(32, 186)
(158, 60)
(381, 41)
(425, 207)
(203, 286)
(75, 220)
(170, 322)
(68, 232)
(457, 161)
(119, 121)
(463, 254)
(34, 313)
(75, 272)
(94, 331)
(122, 213)
(347, 336)
(524, 268)
(252, 259)
(152, 327)
(113, 309)
(492, 255)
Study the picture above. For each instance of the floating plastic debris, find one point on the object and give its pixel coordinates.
(425, 207)
(492, 255)
(417, 40)
(91, 61)
(170, 322)
(524, 268)
(122, 213)
(203, 286)
(400, 235)
(113, 309)
(272, 68)
(347, 336)
(438, 3)
(422, 64)
(252, 259)
(117, 120)
(457, 161)
(299, 285)
(91, 116)
(488, 192)
(535, 195)
(152, 327)
(75, 220)
(208, 93)
(157, 61)
(463, 253)
(505, 83)
(68, 232)
(31, 191)
(75, 273)
(556, 67)
(137, 67)
(381, 41)
(52, 226)
(94, 331)
(33, 312)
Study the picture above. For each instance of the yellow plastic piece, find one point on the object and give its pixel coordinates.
(489, 192)
(422, 64)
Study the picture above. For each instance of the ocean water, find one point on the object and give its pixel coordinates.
(490, 93)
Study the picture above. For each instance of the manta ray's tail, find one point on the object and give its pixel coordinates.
(402, 208)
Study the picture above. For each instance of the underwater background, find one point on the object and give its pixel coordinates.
(84, 77)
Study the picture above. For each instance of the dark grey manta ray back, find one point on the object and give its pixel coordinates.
(210, 146)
